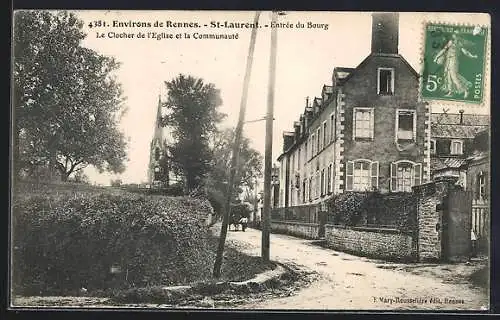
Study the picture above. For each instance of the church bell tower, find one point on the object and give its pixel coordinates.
(157, 175)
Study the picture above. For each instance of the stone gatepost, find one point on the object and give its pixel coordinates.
(430, 205)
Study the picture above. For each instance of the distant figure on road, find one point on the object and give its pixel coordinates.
(234, 221)
(244, 223)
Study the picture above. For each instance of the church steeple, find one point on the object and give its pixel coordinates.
(157, 147)
(158, 134)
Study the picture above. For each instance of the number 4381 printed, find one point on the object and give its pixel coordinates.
(454, 59)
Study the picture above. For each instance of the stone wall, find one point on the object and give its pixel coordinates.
(372, 242)
(431, 204)
(299, 229)
(429, 233)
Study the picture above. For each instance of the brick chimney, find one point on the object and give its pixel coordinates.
(385, 32)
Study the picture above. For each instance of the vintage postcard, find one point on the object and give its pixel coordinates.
(246, 160)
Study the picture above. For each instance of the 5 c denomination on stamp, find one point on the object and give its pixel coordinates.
(454, 63)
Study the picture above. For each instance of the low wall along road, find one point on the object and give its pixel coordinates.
(294, 228)
(374, 242)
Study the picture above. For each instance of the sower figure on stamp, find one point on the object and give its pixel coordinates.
(453, 81)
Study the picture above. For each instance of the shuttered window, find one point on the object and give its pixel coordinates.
(329, 184)
(405, 175)
(332, 127)
(304, 186)
(481, 186)
(362, 175)
(349, 175)
(375, 170)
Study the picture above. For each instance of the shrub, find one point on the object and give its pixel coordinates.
(65, 242)
(347, 208)
(174, 190)
(375, 209)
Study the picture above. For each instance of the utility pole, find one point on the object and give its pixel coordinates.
(266, 215)
(236, 151)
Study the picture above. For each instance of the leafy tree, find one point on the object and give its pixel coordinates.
(193, 116)
(249, 164)
(249, 167)
(67, 102)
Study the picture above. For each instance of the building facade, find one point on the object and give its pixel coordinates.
(454, 139)
(367, 131)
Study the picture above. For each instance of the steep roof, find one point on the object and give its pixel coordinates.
(455, 130)
(347, 73)
(438, 164)
(468, 119)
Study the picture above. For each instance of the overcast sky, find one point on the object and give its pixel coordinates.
(305, 61)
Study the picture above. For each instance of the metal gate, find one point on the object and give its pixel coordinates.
(481, 223)
(456, 226)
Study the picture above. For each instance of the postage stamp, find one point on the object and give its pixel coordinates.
(454, 63)
(146, 171)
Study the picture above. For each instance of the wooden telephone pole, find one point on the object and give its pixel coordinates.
(236, 151)
(266, 214)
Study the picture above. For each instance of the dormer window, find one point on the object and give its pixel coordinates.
(456, 147)
(385, 81)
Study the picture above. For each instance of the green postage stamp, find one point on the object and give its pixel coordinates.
(454, 63)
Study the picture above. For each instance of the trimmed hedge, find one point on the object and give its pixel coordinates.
(67, 242)
(398, 210)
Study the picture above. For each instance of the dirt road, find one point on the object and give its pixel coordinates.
(348, 282)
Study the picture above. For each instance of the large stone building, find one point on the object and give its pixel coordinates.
(366, 131)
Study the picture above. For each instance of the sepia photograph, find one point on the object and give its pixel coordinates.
(250, 160)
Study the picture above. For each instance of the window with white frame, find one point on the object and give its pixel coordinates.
(385, 81)
(318, 140)
(325, 134)
(306, 151)
(304, 188)
(312, 145)
(362, 175)
(332, 128)
(433, 146)
(406, 123)
(456, 147)
(404, 175)
(329, 179)
(310, 188)
(481, 186)
(298, 158)
(363, 122)
(317, 185)
(323, 182)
